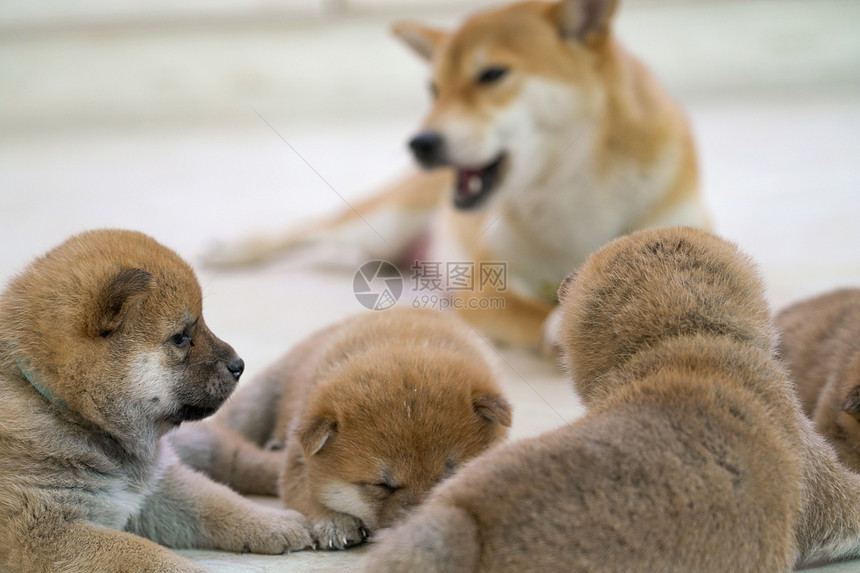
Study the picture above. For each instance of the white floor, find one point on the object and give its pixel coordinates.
(87, 141)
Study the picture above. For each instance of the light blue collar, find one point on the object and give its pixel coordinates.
(36, 382)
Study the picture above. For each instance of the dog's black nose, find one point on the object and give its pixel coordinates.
(427, 148)
(236, 368)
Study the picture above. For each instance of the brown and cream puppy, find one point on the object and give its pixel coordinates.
(820, 344)
(694, 454)
(103, 349)
(371, 413)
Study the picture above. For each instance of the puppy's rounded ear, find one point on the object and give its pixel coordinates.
(423, 39)
(123, 292)
(493, 407)
(565, 286)
(585, 21)
(315, 432)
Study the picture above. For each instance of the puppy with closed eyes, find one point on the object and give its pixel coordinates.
(820, 344)
(694, 454)
(359, 422)
(103, 349)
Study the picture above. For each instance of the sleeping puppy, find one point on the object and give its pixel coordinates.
(820, 344)
(103, 349)
(371, 414)
(694, 454)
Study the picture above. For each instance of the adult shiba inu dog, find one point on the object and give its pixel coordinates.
(103, 349)
(820, 344)
(694, 454)
(546, 139)
(359, 422)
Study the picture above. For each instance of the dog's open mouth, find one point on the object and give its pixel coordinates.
(474, 185)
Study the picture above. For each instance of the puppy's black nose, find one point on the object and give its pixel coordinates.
(427, 148)
(236, 368)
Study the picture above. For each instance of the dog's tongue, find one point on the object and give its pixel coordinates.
(470, 181)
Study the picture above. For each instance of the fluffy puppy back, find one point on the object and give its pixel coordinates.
(653, 286)
(820, 342)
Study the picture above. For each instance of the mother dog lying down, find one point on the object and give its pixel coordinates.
(103, 349)
(694, 454)
(551, 139)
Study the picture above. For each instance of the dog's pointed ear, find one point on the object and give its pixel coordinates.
(585, 21)
(493, 408)
(423, 39)
(122, 293)
(315, 432)
(851, 405)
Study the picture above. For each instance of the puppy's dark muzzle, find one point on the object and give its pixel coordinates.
(203, 399)
(192, 413)
(428, 149)
(201, 405)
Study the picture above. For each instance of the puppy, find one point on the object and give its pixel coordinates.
(694, 454)
(546, 138)
(372, 413)
(820, 344)
(103, 349)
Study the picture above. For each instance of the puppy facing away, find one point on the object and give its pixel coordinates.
(820, 345)
(546, 139)
(370, 413)
(103, 349)
(694, 454)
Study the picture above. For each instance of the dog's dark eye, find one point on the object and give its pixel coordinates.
(180, 340)
(387, 488)
(492, 75)
(434, 91)
(382, 488)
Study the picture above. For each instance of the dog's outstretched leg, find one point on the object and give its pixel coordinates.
(383, 226)
(228, 457)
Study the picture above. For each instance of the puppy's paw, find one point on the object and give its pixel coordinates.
(550, 346)
(273, 532)
(339, 531)
(249, 251)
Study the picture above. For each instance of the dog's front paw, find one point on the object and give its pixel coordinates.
(339, 531)
(273, 532)
(249, 251)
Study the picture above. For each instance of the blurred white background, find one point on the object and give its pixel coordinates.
(147, 115)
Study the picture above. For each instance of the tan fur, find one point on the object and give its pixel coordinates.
(694, 454)
(103, 349)
(372, 413)
(820, 344)
(593, 148)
